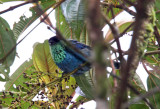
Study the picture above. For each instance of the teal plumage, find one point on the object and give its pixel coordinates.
(68, 59)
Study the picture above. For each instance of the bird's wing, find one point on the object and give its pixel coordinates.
(82, 47)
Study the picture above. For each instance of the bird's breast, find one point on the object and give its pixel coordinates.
(59, 57)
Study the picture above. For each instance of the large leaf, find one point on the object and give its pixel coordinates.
(62, 24)
(137, 82)
(60, 89)
(21, 87)
(138, 106)
(7, 42)
(42, 58)
(24, 22)
(74, 12)
(86, 84)
(152, 82)
(122, 25)
(43, 61)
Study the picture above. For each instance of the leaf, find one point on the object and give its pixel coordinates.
(86, 84)
(156, 68)
(21, 88)
(62, 24)
(42, 59)
(74, 12)
(25, 22)
(152, 82)
(84, 37)
(60, 89)
(7, 42)
(17, 77)
(107, 9)
(10, 0)
(122, 25)
(137, 82)
(79, 100)
(138, 106)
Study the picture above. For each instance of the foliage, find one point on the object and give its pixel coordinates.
(41, 78)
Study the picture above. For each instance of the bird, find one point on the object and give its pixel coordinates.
(68, 59)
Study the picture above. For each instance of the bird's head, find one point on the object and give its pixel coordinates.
(53, 40)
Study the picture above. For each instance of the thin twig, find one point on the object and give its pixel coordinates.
(157, 35)
(19, 5)
(120, 7)
(133, 90)
(115, 34)
(142, 96)
(129, 2)
(152, 52)
(158, 11)
(121, 34)
(114, 72)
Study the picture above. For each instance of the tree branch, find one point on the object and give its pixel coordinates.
(142, 96)
(19, 5)
(134, 90)
(121, 6)
(99, 47)
(116, 35)
(137, 47)
(152, 52)
(157, 35)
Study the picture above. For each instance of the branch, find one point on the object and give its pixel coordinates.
(157, 35)
(99, 47)
(134, 90)
(137, 47)
(121, 34)
(142, 96)
(19, 5)
(116, 35)
(152, 52)
(120, 7)
(129, 2)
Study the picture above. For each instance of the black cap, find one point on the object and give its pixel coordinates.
(53, 40)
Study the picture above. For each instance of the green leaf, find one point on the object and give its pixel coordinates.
(18, 77)
(74, 12)
(79, 100)
(152, 82)
(138, 106)
(20, 90)
(137, 82)
(122, 25)
(59, 88)
(10, 0)
(107, 9)
(25, 22)
(86, 84)
(43, 61)
(62, 24)
(7, 42)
